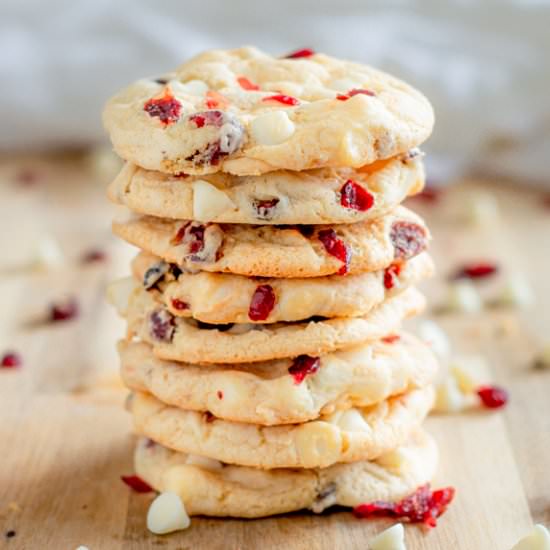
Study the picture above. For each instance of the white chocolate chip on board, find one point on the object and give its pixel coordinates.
(167, 514)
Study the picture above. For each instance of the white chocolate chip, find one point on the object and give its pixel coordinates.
(209, 202)
(204, 462)
(516, 292)
(167, 514)
(272, 128)
(462, 296)
(390, 539)
(82, 548)
(193, 87)
(352, 421)
(448, 398)
(48, 253)
(118, 293)
(481, 209)
(538, 539)
(470, 372)
(431, 333)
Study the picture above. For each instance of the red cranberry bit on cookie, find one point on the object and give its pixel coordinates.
(136, 484)
(477, 271)
(11, 360)
(391, 338)
(391, 275)
(265, 209)
(166, 108)
(245, 84)
(161, 325)
(219, 393)
(302, 366)
(207, 118)
(215, 99)
(304, 52)
(354, 92)
(352, 195)
(64, 311)
(423, 506)
(180, 305)
(408, 239)
(208, 417)
(262, 303)
(284, 99)
(493, 397)
(336, 247)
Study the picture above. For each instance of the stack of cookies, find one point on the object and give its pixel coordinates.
(264, 353)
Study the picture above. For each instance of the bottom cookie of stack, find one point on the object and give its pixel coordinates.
(209, 487)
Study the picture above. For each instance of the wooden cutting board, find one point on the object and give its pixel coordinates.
(65, 438)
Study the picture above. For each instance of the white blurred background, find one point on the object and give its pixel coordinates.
(485, 65)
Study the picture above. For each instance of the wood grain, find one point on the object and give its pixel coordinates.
(66, 438)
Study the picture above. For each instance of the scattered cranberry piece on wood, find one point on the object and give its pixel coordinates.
(11, 360)
(492, 397)
(64, 311)
(423, 506)
(136, 484)
(478, 270)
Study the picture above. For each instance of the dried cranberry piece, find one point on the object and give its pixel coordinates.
(208, 417)
(265, 208)
(302, 366)
(219, 393)
(161, 325)
(354, 92)
(477, 270)
(284, 99)
(180, 305)
(193, 235)
(304, 52)
(408, 239)
(352, 195)
(137, 484)
(428, 194)
(423, 506)
(64, 311)
(262, 303)
(155, 274)
(11, 360)
(166, 108)
(336, 247)
(201, 243)
(245, 84)
(391, 274)
(208, 118)
(229, 138)
(493, 397)
(94, 255)
(215, 99)
(391, 338)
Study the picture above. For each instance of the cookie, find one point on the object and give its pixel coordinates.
(184, 339)
(280, 251)
(244, 112)
(210, 488)
(325, 195)
(343, 436)
(220, 298)
(284, 391)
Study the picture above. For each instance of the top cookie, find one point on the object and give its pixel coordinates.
(244, 112)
